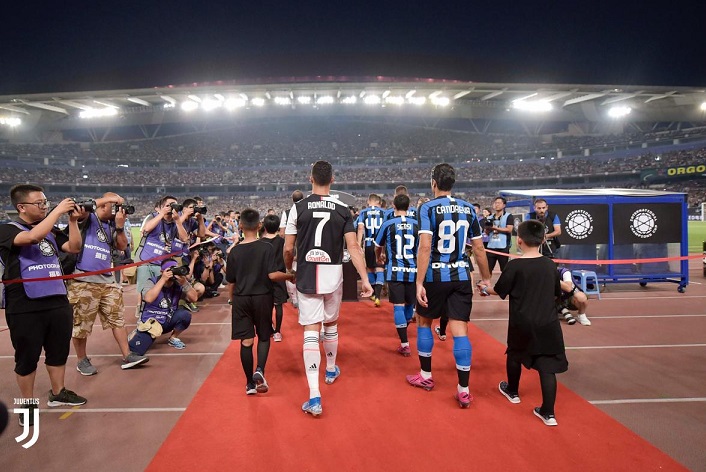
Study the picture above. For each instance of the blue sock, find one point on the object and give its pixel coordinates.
(379, 278)
(462, 354)
(425, 341)
(409, 312)
(371, 278)
(400, 320)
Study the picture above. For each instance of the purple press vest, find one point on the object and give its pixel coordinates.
(40, 260)
(160, 241)
(96, 253)
(164, 305)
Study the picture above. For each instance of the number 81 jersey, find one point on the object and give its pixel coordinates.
(320, 223)
(450, 222)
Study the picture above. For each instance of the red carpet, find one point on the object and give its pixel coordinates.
(373, 420)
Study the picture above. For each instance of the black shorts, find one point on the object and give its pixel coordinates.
(402, 293)
(370, 259)
(252, 314)
(450, 299)
(32, 331)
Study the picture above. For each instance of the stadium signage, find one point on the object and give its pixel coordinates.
(682, 170)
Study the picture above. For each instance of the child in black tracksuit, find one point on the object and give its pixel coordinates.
(271, 235)
(534, 337)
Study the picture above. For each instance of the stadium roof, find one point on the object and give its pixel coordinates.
(367, 96)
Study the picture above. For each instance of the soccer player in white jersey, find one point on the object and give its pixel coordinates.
(318, 226)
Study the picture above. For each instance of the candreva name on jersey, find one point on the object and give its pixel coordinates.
(321, 204)
(441, 209)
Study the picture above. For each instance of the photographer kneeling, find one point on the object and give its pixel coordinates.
(160, 312)
(572, 298)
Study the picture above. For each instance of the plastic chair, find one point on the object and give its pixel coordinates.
(584, 278)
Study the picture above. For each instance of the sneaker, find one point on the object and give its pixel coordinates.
(250, 389)
(583, 319)
(65, 397)
(569, 319)
(464, 399)
(191, 307)
(260, 382)
(377, 302)
(176, 343)
(549, 420)
(332, 376)
(30, 414)
(85, 367)
(417, 380)
(512, 397)
(133, 359)
(437, 330)
(404, 351)
(277, 337)
(313, 406)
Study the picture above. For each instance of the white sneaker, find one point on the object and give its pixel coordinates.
(583, 319)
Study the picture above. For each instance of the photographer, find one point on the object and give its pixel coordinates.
(217, 229)
(192, 217)
(499, 229)
(552, 227)
(209, 269)
(100, 295)
(159, 311)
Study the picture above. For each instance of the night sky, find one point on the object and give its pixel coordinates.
(113, 45)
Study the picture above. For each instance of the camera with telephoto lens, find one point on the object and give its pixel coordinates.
(176, 206)
(181, 270)
(201, 209)
(129, 209)
(88, 204)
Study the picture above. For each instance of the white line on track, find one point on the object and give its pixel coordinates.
(608, 317)
(627, 401)
(639, 346)
(150, 354)
(112, 410)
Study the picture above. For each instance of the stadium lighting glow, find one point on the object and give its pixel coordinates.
(440, 101)
(258, 101)
(169, 105)
(195, 98)
(219, 97)
(371, 100)
(417, 100)
(409, 94)
(210, 104)
(619, 112)
(703, 106)
(98, 112)
(189, 105)
(10, 121)
(304, 99)
(394, 100)
(233, 103)
(325, 100)
(283, 101)
(532, 105)
(351, 100)
(385, 94)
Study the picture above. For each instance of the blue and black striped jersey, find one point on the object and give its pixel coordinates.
(399, 238)
(450, 222)
(390, 213)
(371, 219)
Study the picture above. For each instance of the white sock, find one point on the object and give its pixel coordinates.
(312, 360)
(462, 389)
(425, 375)
(404, 344)
(331, 346)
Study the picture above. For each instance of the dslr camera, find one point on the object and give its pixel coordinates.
(129, 209)
(201, 209)
(177, 206)
(181, 270)
(88, 204)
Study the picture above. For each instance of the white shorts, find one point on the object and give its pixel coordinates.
(321, 308)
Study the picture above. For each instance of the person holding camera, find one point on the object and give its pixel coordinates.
(162, 233)
(100, 295)
(193, 220)
(160, 312)
(209, 269)
(552, 227)
(38, 314)
(499, 227)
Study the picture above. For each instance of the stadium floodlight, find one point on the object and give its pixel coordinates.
(417, 100)
(394, 100)
(325, 100)
(619, 112)
(283, 101)
(233, 103)
(440, 101)
(532, 105)
(258, 101)
(171, 103)
(703, 106)
(304, 99)
(10, 121)
(385, 94)
(409, 94)
(219, 97)
(195, 98)
(209, 104)
(350, 100)
(98, 112)
(371, 100)
(189, 105)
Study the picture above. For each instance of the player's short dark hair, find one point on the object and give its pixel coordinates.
(188, 201)
(197, 198)
(271, 223)
(531, 232)
(374, 197)
(20, 192)
(401, 202)
(322, 173)
(297, 195)
(444, 175)
(249, 219)
(501, 198)
(400, 189)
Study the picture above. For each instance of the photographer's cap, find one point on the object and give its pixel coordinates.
(168, 264)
